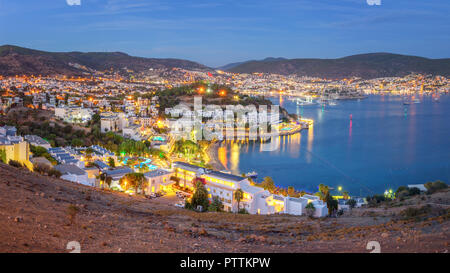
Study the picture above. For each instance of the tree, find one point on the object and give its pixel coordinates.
(216, 204)
(108, 181)
(102, 179)
(291, 191)
(200, 197)
(96, 118)
(132, 180)
(88, 154)
(38, 151)
(67, 129)
(41, 168)
(351, 203)
(238, 196)
(345, 195)
(76, 142)
(310, 209)
(2, 155)
(332, 204)
(55, 173)
(433, 187)
(111, 162)
(268, 184)
(323, 192)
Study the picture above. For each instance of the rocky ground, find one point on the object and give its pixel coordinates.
(42, 214)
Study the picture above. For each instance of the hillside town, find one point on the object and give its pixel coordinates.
(122, 134)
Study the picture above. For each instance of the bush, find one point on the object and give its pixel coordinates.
(351, 203)
(72, 212)
(310, 209)
(416, 213)
(413, 191)
(433, 187)
(2, 156)
(403, 192)
(15, 163)
(216, 204)
(332, 204)
(376, 199)
(401, 189)
(41, 168)
(55, 173)
(243, 211)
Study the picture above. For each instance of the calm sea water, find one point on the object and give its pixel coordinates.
(382, 147)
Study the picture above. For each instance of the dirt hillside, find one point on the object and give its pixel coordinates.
(42, 214)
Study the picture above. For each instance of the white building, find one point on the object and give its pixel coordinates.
(113, 122)
(74, 114)
(75, 174)
(255, 200)
(109, 124)
(145, 121)
(37, 141)
(158, 180)
(132, 131)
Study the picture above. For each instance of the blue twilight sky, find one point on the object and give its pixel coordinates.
(217, 32)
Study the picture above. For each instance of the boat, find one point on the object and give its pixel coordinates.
(305, 101)
(332, 103)
(252, 174)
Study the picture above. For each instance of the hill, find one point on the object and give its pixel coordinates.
(373, 65)
(43, 214)
(18, 60)
(233, 65)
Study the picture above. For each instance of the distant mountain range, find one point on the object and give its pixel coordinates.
(16, 60)
(372, 65)
(230, 66)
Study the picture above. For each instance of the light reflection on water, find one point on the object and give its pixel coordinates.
(378, 148)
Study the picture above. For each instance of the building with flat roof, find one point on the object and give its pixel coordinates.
(255, 199)
(37, 141)
(158, 180)
(74, 114)
(75, 174)
(15, 148)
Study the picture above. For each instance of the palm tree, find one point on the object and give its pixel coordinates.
(291, 191)
(345, 195)
(238, 196)
(268, 184)
(323, 192)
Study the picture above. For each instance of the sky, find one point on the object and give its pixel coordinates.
(218, 32)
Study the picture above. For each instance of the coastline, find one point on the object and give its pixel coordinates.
(214, 157)
(213, 149)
